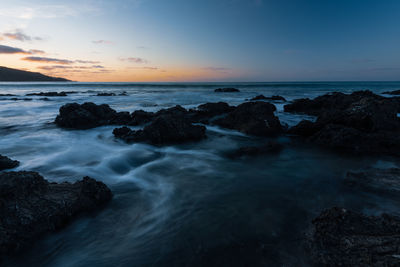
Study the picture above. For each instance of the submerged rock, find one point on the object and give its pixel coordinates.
(105, 94)
(255, 118)
(165, 129)
(273, 98)
(226, 90)
(344, 238)
(49, 94)
(382, 180)
(269, 148)
(30, 206)
(7, 163)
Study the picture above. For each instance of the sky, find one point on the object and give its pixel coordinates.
(203, 40)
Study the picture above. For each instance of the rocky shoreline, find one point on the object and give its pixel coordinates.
(360, 123)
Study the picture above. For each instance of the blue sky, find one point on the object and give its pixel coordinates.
(187, 40)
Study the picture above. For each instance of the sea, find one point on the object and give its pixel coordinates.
(187, 204)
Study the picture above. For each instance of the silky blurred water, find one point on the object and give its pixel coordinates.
(184, 205)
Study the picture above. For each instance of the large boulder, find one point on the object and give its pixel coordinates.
(30, 206)
(254, 118)
(344, 238)
(205, 112)
(7, 163)
(163, 130)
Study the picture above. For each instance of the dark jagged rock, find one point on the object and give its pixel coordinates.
(48, 94)
(255, 118)
(383, 180)
(7, 163)
(362, 123)
(21, 99)
(44, 99)
(124, 93)
(89, 115)
(327, 102)
(226, 90)
(344, 238)
(165, 129)
(269, 148)
(141, 117)
(31, 207)
(396, 92)
(272, 98)
(105, 94)
(7, 95)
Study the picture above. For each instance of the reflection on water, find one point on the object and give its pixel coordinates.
(187, 204)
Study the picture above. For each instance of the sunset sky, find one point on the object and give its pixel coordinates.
(207, 40)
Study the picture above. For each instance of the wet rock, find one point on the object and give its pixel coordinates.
(44, 99)
(124, 93)
(380, 180)
(207, 111)
(255, 118)
(48, 94)
(368, 124)
(85, 116)
(30, 206)
(396, 92)
(269, 148)
(173, 111)
(21, 99)
(105, 94)
(327, 102)
(344, 238)
(272, 98)
(7, 95)
(226, 90)
(141, 117)
(7, 163)
(165, 129)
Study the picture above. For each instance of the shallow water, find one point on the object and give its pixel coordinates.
(187, 204)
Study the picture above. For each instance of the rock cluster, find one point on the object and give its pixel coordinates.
(271, 98)
(7, 163)
(226, 90)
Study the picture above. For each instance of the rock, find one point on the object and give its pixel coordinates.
(361, 122)
(255, 118)
(273, 98)
(396, 92)
(207, 111)
(7, 163)
(269, 148)
(22, 99)
(44, 99)
(381, 180)
(226, 90)
(344, 238)
(141, 117)
(165, 129)
(7, 95)
(48, 94)
(327, 102)
(105, 94)
(30, 206)
(304, 128)
(124, 93)
(89, 115)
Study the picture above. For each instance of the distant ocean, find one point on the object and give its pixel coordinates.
(183, 204)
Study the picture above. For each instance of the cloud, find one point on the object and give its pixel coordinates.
(102, 42)
(48, 60)
(216, 69)
(37, 52)
(138, 60)
(143, 47)
(87, 61)
(63, 69)
(4, 49)
(20, 36)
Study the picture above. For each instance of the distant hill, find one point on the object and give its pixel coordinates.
(14, 75)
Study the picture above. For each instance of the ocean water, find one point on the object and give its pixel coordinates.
(183, 205)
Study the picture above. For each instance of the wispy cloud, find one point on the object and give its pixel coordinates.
(87, 61)
(37, 52)
(142, 47)
(102, 42)
(216, 68)
(4, 49)
(44, 11)
(20, 36)
(138, 60)
(48, 60)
